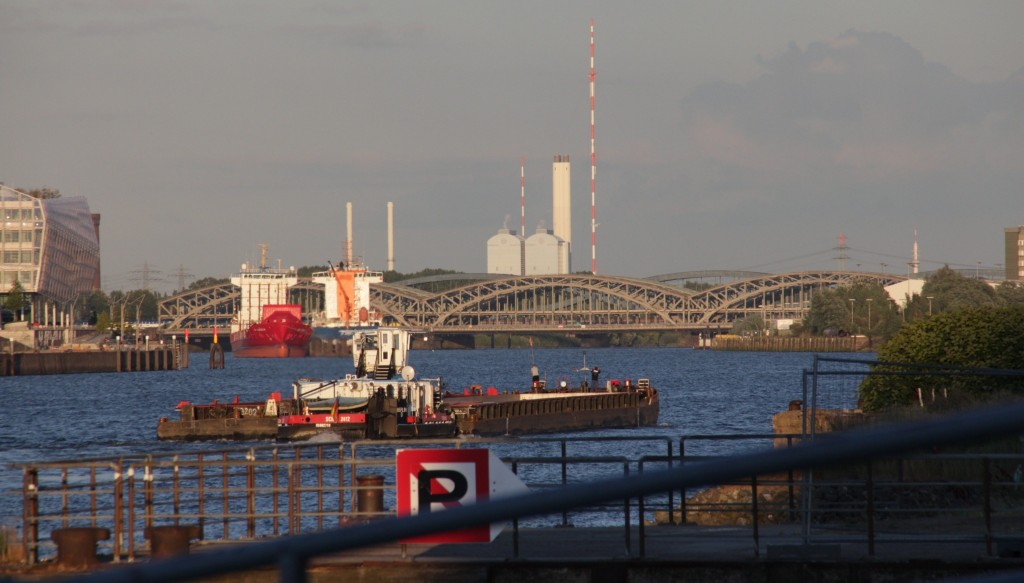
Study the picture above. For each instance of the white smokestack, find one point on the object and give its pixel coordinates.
(391, 236)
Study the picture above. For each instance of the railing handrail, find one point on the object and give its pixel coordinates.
(292, 554)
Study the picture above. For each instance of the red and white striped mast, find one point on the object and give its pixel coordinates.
(593, 163)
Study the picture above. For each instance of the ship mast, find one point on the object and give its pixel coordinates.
(593, 163)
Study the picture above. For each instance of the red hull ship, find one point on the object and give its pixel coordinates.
(279, 334)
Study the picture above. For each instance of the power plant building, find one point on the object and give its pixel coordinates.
(546, 254)
(1014, 253)
(506, 253)
(561, 198)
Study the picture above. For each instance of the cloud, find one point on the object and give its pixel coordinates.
(867, 106)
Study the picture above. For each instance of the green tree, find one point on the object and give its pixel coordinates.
(393, 276)
(1010, 293)
(871, 312)
(951, 291)
(979, 337)
(309, 270)
(829, 313)
(753, 325)
(41, 193)
(103, 323)
(207, 282)
(15, 301)
(140, 303)
(96, 303)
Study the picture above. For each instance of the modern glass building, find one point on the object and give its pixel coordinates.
(50, 247)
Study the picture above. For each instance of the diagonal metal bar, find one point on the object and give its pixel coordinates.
(838, 448)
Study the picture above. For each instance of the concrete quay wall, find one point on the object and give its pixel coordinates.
(71, 362)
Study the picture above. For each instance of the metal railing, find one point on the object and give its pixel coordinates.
(292, 554)
(248, 494)
(243, 494)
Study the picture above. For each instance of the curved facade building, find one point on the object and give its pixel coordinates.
(50, 246)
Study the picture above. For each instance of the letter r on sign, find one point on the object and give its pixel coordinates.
(428, 495)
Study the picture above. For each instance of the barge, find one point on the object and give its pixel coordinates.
(563, 410)
(385, 400)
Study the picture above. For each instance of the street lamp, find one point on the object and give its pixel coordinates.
(868, 300)
(851, 314)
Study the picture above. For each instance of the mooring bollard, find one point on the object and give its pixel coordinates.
(76, 546)
(216, 356)
(171, 540)
(370, 495)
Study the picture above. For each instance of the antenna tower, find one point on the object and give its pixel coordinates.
(593, 163)
(182, 276)
(147, 275)
(842, 251)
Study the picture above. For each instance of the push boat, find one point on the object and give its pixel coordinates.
(383, 399)
(266, 325)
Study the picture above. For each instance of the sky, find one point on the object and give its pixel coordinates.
(747, 134)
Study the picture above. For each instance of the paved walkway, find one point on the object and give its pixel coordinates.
(686, 552)
(693, 543)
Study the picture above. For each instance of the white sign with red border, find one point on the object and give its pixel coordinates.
(432, 480)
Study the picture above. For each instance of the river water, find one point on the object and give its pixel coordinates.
(57, 417)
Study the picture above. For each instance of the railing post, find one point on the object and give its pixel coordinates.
(226, 503)
(352, 472)
(682, 491)
(292, 477)
(629, 542)
(640, 512)
(30, 514)
(341, 483)
(176, 492)
(201, 490)
(250, 493)
(754, 509)
(320, 487)
(276, 496)
(870, 483)
(565, 513)
(147, 491)
(92, 494)
(65, 521)
(987, 487)
(515, 521)
(119, 512)
(671, 492)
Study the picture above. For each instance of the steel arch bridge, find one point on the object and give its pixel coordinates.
(609, 301)
(552, 301)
